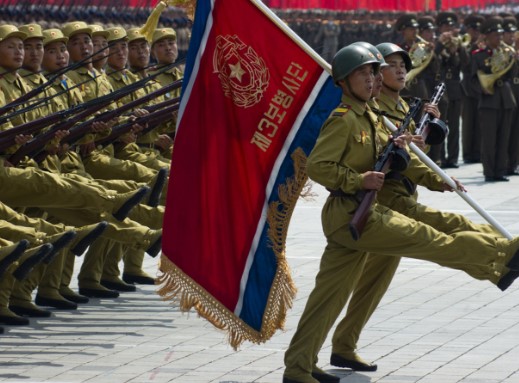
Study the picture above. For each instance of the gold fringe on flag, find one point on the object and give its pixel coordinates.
(153, 20)
(179, 288)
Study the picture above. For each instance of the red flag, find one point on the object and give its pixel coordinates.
(252, 105)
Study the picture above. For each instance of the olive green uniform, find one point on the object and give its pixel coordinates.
(379, 269)
(345, 149)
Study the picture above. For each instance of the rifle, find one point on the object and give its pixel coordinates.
(153, 119)
(27, 96)
(7, 137)
(433, 129)
(391, 158)
(33, 147)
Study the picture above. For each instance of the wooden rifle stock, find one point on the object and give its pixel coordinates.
(79, 131)
(383, 165)
(153, 120)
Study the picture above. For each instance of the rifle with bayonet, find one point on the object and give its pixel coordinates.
(392, 158)
(33, 147)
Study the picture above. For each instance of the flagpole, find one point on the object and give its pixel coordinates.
(294, 36)
(448, 180)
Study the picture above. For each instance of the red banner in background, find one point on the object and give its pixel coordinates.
(382, 5)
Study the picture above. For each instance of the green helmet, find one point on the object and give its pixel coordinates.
(389, 48)
(374, 50)
(350, 58)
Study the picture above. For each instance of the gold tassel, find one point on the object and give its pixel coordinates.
(179, 288)
(153, 20)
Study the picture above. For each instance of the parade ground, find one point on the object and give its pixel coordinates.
(435, 325)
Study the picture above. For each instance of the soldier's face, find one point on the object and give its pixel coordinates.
(165, 51)
(55, 56)
(80, 46)
(394, 73)
(494, 39)
(118, 55)
(508, 38)
(100, 45)
(139, 54)
(33, 54)
(474, 34)
(361, 83)
(377, 85)
(11, 53)
(410, 33)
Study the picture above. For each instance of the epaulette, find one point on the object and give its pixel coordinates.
(341, 110)
(475, 51)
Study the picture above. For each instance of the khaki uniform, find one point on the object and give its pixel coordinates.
(379, 269)
(345, 149)
(132, 152)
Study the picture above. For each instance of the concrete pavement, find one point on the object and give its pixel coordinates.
(434, 325)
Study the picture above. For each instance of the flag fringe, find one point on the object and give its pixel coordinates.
(179, 288)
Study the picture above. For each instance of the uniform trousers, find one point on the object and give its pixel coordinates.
(389, 233)
(495, 125)
(380, 269)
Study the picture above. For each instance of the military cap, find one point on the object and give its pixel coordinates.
(473, 21)
(116, 33)
(163, 33)
(75, 27)
(492, 24)
(135, 34)
(53, 35)
(8, 30)
(98, 30)
(426, 22)
(446, 18)
(510, 24)
(407, 20)
(31, 31)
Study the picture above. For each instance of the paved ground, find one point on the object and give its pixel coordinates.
(434, 325)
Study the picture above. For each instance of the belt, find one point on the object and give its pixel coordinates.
(339, 193)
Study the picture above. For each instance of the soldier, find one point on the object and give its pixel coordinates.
(407, 28)
(379, 269)
(470, 138)
(154, 144)
(164, 50)
(329, 36)
(452, 54)
(343, 163)
(490, 80)
(100, 43)
(510, 29)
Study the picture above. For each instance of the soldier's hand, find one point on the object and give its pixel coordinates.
(140, 112)
(99, 126)
(372, 180)
(459, 186)
(432, 109)
(419, 141)
(402, 140)
(21, 139)
(61, 134)
(164, 142)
